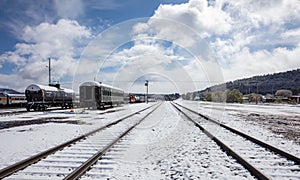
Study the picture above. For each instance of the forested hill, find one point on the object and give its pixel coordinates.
(262, 84)
(8, 91)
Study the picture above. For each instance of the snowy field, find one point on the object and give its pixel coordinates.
(164, 146)
(21, 142)
(272, 123)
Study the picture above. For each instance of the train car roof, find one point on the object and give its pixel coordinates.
(95, 83)
(37, 87)
(47, 88)
(90, 83)
(17, 95)
(68, 90)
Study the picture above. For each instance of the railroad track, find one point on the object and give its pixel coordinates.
(9, 113)
(72, 159)
(262, 160)
(16, 112)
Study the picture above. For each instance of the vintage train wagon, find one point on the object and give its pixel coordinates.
(7, 99)
(137, 98)
(40, 97)
(97, 95)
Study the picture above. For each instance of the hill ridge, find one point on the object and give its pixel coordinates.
(261, 84)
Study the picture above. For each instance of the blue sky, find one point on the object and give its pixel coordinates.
(15, 14)
(245, 38)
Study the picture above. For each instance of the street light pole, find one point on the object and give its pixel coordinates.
(146, 84)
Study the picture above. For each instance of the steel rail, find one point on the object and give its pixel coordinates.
(12, 112)
(77, 173)
(35, 158)
(25, 111)
(257, 173)
(259, 142)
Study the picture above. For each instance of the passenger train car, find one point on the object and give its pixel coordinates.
(137, 98)
(8, 99)
(40, 97)
(97, 95)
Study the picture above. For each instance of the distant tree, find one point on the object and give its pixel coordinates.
(263, 84)
(234, 96)
(268, 95)
(284, 93)
(218, 96)
(207, 97)
(189, 96)
(254, 97)
(292, 101)
(278, 100)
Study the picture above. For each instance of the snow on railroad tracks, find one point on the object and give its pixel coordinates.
(165, 146)
(240, 116)
(20, 142)
(262, 160)
(63, 164)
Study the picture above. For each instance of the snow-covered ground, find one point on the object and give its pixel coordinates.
(257, 120)
(20, 142)
(164, 146)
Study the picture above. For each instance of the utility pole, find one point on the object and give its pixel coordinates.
(146, 84)
(49, 71)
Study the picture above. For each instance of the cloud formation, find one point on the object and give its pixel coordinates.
(246, 37)
(62, 42)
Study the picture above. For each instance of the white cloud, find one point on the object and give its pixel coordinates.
(103, 4)
(143, 60)
(248, 38)
(62, 42)
(177, 22)
(260, 62)
(291, 34)
(181, 70)
(264, 12)
(196, 14)
(70, 9)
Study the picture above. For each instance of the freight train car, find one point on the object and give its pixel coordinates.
(40, 97)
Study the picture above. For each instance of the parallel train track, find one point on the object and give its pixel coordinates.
(19, 111)
(72, 159)
(8, 113)
(262, 160)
